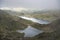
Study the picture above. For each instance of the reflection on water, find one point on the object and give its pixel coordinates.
(30, 31)
(35, 20)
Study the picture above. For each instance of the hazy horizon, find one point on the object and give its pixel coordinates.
(37, 4)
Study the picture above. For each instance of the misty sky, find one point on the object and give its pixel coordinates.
(39, 4)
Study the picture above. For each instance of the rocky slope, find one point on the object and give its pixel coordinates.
(8, 27)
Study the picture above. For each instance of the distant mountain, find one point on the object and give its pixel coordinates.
(20, 9)
(28, 12)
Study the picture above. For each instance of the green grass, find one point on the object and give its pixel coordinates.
(8, 27)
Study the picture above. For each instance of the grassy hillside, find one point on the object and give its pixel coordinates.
(42, 14)
(54, 35)
(9, 24)
(45, 15)
(8, 27)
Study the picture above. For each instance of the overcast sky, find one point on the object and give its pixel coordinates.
(39, 4)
